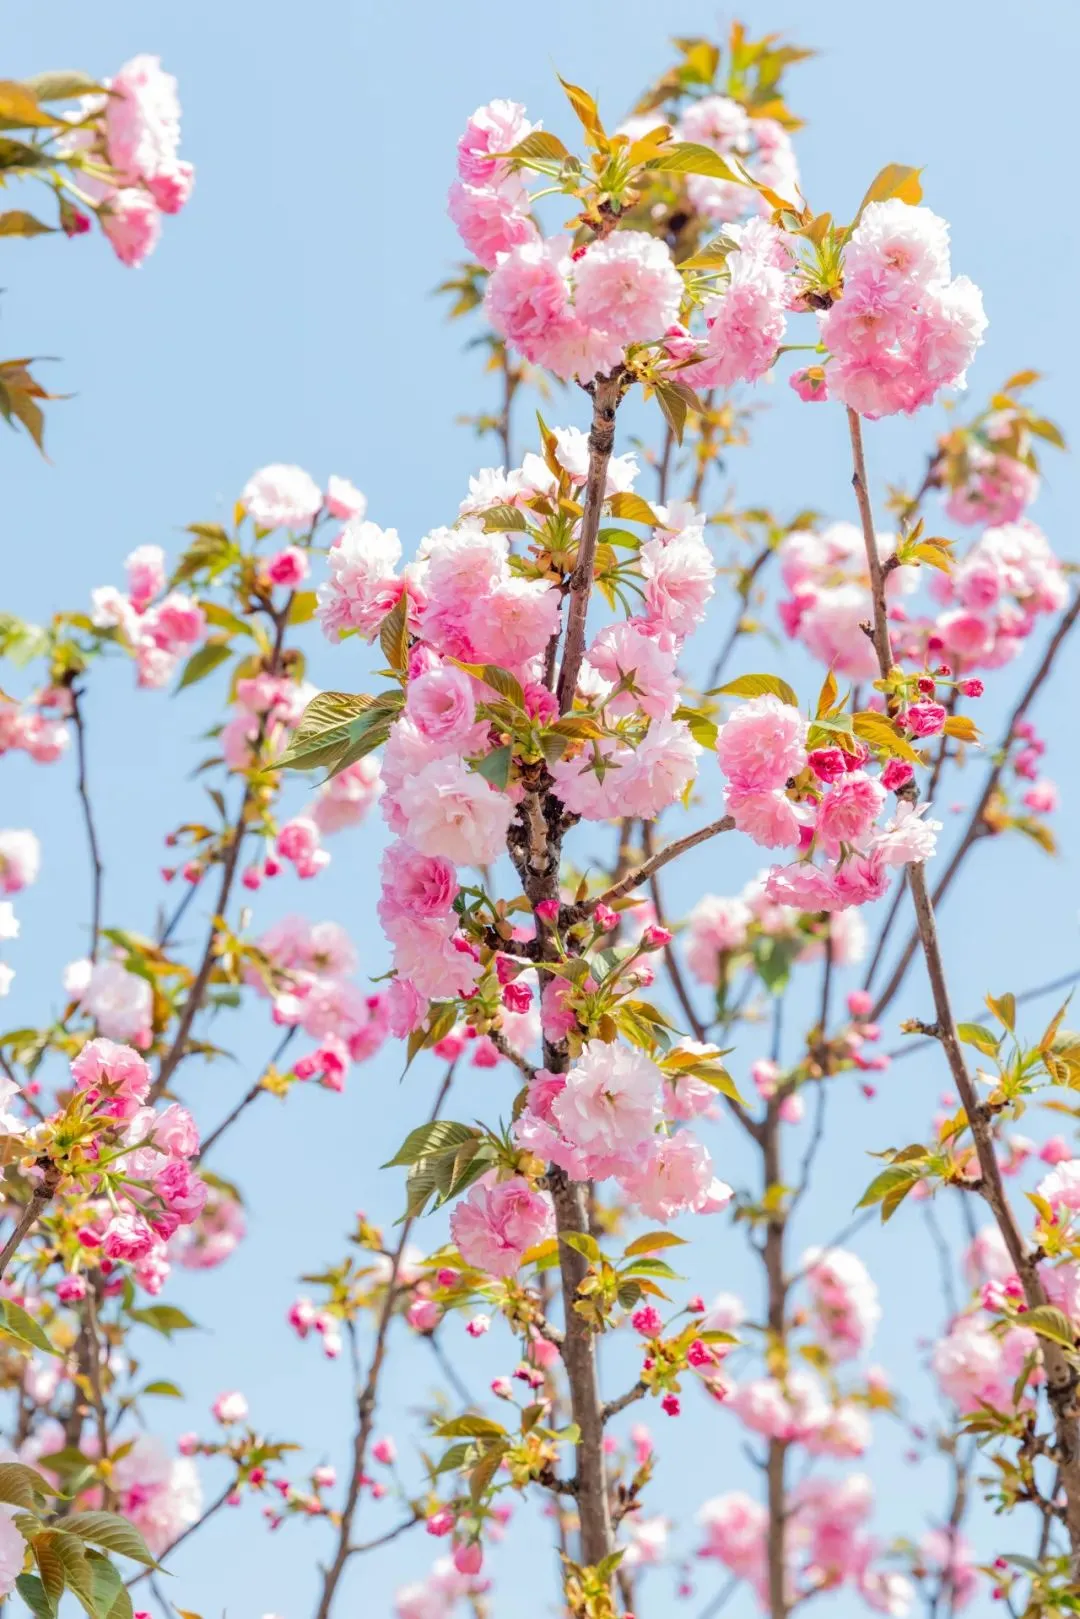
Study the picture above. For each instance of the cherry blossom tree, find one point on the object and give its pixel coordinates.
(553, 673)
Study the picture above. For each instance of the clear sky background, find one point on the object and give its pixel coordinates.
(286, 316)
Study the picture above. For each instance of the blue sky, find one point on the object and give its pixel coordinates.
(287, 316)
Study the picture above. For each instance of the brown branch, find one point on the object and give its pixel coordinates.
(214, 1507)
(607, 391)
(682, 994)
(880, 625)
(641, 874)
(366, 1402)
(93, 1365)
(976, 823)
(96, 868)
(579, 1357)
(40, 1198)
(192, 1005)
(1061, 1377)
(773, 1256)
(746, 585)
(632, 1395)
(246, 1100)
(384, 1540)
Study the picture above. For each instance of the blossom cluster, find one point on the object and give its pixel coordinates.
(130, 171)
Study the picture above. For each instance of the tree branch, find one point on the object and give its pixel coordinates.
(40, 1198)
(366, 1402)
(96, 868)
(1061, 1377)
(641, 874)
(607, 391)
(976, 825)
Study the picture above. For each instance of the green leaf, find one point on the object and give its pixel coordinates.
(880, 732)
(394, 634)
(484, 1471)
(757, 686)
(204, 662)
(32, 1592)
(651, 1241)
(50, 1565)
(894, 180)
(582, 1243)
(19, 223)
(540, 145)
(470, 1427)
(1047, 430)
(648, 1266)
(495, 767)
(169, 1390)
(892, 1186)
(77, 1569)
(111, 1599)
(63, 86)
(973, 1034)
(504, 520)
(437, 1136)
(331, 726)
(163, 1318)
(303, 607)
(113, 1533)
(711, 256)
(673, 407)
(499, 679)
(22, 1486)
(21, 1326)
(687, 157)
(632, 508)
(1004, 1009)
(585, 107)
(1050, 1322)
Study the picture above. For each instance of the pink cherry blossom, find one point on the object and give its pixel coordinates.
(498, 1222)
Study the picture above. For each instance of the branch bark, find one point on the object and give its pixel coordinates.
(40, 1198)
(641, 874)
(607, 392)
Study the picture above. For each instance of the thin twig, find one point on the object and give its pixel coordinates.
(1061, 1377)
(641, 874)
(446, 1366)
(246, 1100)
(746, 585)
(214, 1507)
(976, 824)
(40, 1198)
(97, 870)
(384, 1540)
(366, 1401)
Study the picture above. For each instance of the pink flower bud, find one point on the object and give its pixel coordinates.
(469, 1559)
(605, 918)
(670, 1405)
(972, 688)
(548, 910)
(860, 1003)
(384, 1450)
(441, 1522)
(897, 773)
(647, 1321)
(655, 937)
